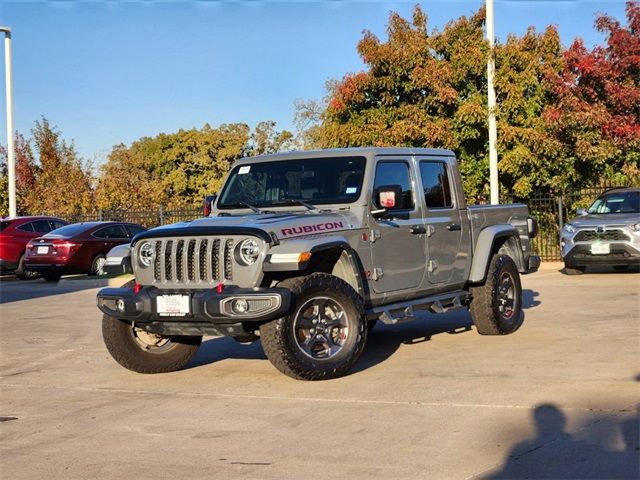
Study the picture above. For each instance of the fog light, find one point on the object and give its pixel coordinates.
(240, 305)
(120, 305)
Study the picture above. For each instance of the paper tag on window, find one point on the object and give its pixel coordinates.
(351, 190)
(244, 170)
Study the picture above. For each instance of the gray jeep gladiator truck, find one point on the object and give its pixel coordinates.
(305, 251)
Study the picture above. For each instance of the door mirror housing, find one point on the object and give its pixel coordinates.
(581, 212)
(388, 197)
(209, 200)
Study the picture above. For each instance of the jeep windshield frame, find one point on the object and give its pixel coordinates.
(283, 183)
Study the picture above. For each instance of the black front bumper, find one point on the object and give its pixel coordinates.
(206, 315)
(620, 254)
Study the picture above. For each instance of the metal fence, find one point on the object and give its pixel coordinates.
(551, 211)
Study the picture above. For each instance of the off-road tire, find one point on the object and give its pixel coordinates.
(278, 336)
(121, 344)
(485, 299)
(573, 270)
(23, 274)
(51, 277)
(94, 265)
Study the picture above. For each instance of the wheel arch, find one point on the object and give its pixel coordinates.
(331, 255)
(491, 240)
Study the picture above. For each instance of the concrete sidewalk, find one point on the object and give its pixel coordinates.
(430, 399)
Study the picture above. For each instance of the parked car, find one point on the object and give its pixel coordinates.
(607, 233)
(77, 248)
(15, 233)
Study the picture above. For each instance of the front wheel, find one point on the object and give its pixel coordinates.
(145, 352)
(325, 333)
(496, 306)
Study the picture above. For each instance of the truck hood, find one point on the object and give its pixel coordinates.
(609, 219)
(283, 225)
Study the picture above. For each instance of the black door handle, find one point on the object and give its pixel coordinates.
(453, 227)
(417, 230)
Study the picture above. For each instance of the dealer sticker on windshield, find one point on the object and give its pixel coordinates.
(600, 249)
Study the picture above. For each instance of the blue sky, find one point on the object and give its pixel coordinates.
(109, 72)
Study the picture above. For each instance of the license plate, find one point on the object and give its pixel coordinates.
(600, 249)
(172, 305)
(42, 250)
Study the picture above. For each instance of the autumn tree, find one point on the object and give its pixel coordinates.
(593, 116)
(55, 181)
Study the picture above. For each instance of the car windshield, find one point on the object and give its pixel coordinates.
(616, 202)
(290, 182)
(69, 231)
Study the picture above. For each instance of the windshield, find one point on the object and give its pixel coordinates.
(616, 202)
(285, 182)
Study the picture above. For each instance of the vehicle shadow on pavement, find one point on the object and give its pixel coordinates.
(384, 340)
(14, 290)
(530, 298)
(587, 454)
(224, 348)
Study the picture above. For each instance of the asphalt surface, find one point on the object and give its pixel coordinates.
(429, 399)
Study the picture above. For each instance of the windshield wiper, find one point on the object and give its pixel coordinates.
(243, 204)
(297, 201)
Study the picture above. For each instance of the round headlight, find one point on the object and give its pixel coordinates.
(249, 251)
(569, 228)
(635, 227)
(146, 254)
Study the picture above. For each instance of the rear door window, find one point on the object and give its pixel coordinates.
(435, 181)
(26, 227)
(113, 231)
(41, 226)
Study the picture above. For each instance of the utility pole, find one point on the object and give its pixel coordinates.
(11, 162)
(491, 100)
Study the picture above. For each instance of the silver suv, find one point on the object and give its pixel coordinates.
(607, 233)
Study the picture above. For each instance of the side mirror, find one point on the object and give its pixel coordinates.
(581, 212)
(209, 200)
(386, 198)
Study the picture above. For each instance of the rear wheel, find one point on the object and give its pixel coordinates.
(496, 306)
(325, 333)
(97, 266)
(23, 274)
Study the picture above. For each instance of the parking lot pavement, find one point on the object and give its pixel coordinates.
(430, 399)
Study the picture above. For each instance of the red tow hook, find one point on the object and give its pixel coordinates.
(137, 287)
(220, 288)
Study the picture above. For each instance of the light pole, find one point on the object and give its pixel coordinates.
(491, 101)
(11, 164)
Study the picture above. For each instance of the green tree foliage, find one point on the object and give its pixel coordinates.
(429, 89)
(177, 170)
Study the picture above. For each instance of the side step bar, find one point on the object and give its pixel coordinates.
(405, 311)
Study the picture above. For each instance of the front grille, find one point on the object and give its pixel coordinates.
(193, 260)
(593, 235)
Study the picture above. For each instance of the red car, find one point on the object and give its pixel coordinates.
(15, 233)
(77, 248)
